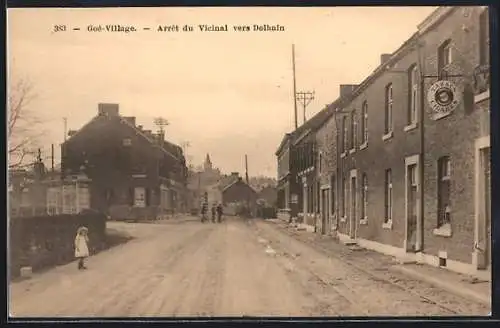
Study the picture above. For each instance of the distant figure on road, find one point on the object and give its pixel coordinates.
(204, 210)
(214, 210)
(81, 247)
(219, 212)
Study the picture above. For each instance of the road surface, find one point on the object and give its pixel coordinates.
(236, 268)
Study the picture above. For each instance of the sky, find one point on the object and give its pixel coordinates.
(226, 93)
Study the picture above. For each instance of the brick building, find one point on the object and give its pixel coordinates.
(412, 149)
(134, 173)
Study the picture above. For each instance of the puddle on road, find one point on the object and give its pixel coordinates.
(270, 251)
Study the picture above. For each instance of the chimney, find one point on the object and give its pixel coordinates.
(139, 127)
(71, 133)
(108, 109)
(130, 120)
(347, 89)
(384, 58)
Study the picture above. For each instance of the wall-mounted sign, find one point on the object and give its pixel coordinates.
(443, 97)
(295, 199)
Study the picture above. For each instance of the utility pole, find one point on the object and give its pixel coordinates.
(305, 98)
(246, 169)
(65, 120)
(161, 123)
(52, 157)
(294, 87)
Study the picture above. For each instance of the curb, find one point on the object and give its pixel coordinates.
(450, 287)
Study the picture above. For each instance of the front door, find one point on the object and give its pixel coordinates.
(411, 207)
(324, 211)
(353, 212)
(486, 204)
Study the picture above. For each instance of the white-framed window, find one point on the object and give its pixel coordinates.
(412, 94)
(364, 122)
(353, 130)
(140, 197)
(127, 142)
(388, 196)
(345, 133)
(445, 57)
(364, 197)
(484, 38)
(444, 177)
(388, 108)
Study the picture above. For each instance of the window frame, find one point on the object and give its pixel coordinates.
(364, 123)
(445, 57)
(443, 178)
(388, 114)
(413, 93)
(484, 37)
(353, 138)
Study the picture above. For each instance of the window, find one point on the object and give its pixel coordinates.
(353, 130)
(484, 38)
(364, 123)
(388, 196)
(444, 168)
(444, 57)
(364, 197)
(127, 142)
(320, 161)
(412, 95)
(344, 135)
(388, 109)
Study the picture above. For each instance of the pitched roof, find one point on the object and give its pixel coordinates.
(235, 182)
(168, 148)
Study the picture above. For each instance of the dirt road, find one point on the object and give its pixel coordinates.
(236, 268)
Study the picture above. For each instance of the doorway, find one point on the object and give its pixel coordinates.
(483, 204)
(413, 236)
(353, 206)
(325, 217)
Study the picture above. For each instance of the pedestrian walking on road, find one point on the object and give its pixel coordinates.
(219, 212)
(81, 247)
(214, 210)
(204, 209)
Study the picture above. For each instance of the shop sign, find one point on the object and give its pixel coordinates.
(443, 97)
(295, 199)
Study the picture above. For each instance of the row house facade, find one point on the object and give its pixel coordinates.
(403, 164)
(132, 172)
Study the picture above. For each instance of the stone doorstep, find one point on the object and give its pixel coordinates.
(450, 281)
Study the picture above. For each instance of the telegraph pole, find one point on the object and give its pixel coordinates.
(246, 169)
(305, 98)
(65, 120)
(161, 123)
(294, 87)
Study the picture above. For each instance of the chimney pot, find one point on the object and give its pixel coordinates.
(108, 109)
(130, 119)
(346, 89)
(384, 58)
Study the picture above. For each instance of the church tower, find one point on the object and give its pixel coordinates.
(208, 164)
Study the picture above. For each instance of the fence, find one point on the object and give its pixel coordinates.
(42, 241)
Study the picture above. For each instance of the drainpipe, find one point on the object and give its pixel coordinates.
(420, 223)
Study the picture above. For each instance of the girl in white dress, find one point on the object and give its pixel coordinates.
(81, 247)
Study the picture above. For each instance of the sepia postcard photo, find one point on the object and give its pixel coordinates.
(249, 162)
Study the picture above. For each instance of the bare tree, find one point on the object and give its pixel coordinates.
(23, 126)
